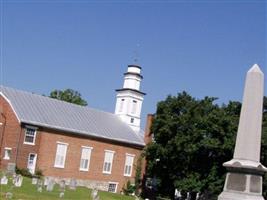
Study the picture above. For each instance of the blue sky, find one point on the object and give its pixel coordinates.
(202, 47)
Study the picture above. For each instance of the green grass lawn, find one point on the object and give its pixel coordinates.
(29, 192)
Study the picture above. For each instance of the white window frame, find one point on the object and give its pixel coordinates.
(126, 164)
(34, 162)
(34, 136)
(89, 158)
(105, 161)
(6, 156)
(115, 183)
(64, 160)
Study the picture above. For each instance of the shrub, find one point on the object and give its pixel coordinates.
(38, 173)
(23, 172)
(130, 188)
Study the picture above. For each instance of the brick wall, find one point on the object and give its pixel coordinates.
(9, 132)
(47, 152)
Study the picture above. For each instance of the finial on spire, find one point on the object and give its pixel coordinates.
(136, 54)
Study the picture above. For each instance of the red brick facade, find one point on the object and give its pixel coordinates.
(12, 135)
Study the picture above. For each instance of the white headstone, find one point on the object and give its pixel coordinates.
(50, 185)
(40, 185)
(4, 180)
(62, 185)
(34, 180)
(11, 168)
(197, 197)
(39, 189)
(73, 184)
(18, 181)
(61, 194)
(94, 194)
(46, 180)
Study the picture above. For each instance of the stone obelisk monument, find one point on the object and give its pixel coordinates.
(244, 177)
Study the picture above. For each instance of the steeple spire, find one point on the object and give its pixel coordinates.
(130, 98)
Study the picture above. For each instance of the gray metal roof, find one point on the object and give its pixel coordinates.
(52, 113)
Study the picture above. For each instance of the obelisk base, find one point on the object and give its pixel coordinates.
(237, 196)
(242, 186)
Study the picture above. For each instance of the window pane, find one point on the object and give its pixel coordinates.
(112, 187)
(7, 153)
(85, 158)
(60, 155)
(128, 165)
(108, 162)
(29, 135)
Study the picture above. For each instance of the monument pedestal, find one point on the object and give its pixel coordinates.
(243, 180)
(240, 186)
(237, 196)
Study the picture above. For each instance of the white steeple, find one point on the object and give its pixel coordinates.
(130, 98)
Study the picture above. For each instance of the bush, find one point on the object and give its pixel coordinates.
(130, 188)
(38, 173)
(23, 172)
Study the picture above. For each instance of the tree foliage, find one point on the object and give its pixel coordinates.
(68, 95)
(264, 144)
(192, 138)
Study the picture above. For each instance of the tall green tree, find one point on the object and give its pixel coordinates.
(69, 95)
(264, 145)
(192, 138)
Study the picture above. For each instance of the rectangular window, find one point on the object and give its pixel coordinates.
(121, 105)
(107, 167)
(134, 106)
(85, 158)
(7, 153)
(132, 120)
(112, 187)
(61, 155)
(30, 134)
(128, 165)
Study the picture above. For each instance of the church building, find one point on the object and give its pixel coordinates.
(67, 141)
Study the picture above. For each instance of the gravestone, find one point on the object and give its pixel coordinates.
(62, 185)
(18, 181)
(46, 180)
(40, 185)
(50, 185)
(94, 194)
(11, 168)
(73, 184)
(9, 195)
(4, 180)
(34, 180)
(177, 194)
(61, 194)
(14, 176)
